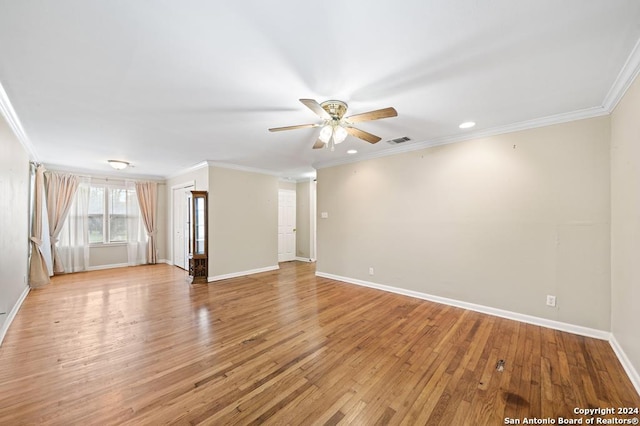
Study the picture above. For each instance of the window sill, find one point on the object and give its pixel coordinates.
(104, 245)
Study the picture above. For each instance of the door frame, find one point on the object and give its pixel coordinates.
(295, 215)
(313, 208)
(188, 184)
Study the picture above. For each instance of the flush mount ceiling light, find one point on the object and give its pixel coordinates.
(352, 151)
(467, 125)
(118, 165)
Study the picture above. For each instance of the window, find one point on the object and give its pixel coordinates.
(96, 214)
(109, 210)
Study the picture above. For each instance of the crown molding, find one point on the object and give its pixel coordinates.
(287, 180)
(210, 163)
(16, 126)
(243, 168)
(190, 169)
(626, 76)
(628, 73)
(306, 179)
(103, 175)
(494, 131)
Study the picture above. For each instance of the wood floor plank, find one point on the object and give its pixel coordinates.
(140, 345)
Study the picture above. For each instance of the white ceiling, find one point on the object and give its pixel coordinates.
(169, 84)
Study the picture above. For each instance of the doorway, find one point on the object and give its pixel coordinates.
(286, 225)
(180, 224)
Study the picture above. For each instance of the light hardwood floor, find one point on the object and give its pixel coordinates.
(141, 346)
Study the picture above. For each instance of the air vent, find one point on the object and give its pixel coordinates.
(397, 141)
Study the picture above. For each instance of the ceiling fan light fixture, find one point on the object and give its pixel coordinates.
(335, 127)
(118, 164)
(339, 134)
(325, 133)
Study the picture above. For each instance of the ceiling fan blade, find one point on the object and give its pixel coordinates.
(373, 115)
(314, 106)
(319, 144)
(299, 126)
(361, 134)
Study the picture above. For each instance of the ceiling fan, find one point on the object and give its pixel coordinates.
(335, 126)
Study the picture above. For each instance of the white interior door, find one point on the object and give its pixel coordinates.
(180, 226)
(312, 219)
(286, 225)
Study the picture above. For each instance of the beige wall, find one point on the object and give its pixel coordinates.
(243, 221)
(625, 223)
(200, 179)
(282, 184)
(111, 255)
(14, 220)
(501, 221)
(303, 220)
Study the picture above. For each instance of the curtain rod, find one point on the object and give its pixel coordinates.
(108, 178)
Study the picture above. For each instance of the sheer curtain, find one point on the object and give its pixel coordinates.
(136, 237)
(73, 240)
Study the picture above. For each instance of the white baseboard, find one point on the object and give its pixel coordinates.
(7, 322)
(167, 261)
(113, 265)
(242, 273)
(304, 259)
(529, 319)
(626, 363)
(556, 325)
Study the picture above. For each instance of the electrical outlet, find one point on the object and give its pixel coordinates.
(371, 270)
(551, 300)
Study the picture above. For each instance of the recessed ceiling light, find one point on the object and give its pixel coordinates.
(352, 151)
(467, 125)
